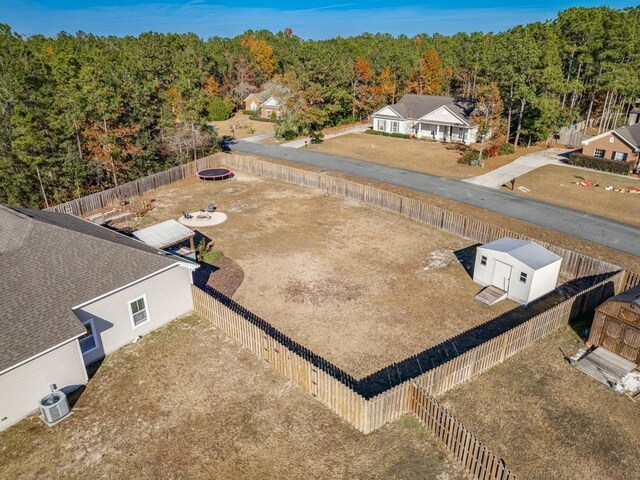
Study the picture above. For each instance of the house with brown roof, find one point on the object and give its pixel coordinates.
(71, 293)
(428, 116)
(621, 144)
(269, 105)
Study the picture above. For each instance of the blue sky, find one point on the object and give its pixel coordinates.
(316, 19)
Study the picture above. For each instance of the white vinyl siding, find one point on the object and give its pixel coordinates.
(23, 387)
(167, 296)
(525, 285)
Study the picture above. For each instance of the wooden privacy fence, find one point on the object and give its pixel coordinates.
(99, 200)
(574, 264)
(313, 377)
(394, 403)
(341, 393)
(462, 445)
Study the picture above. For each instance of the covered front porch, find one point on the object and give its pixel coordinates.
(444, 132)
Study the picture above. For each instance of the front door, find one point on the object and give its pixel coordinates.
(501, 275)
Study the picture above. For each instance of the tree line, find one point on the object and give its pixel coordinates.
(80, 113)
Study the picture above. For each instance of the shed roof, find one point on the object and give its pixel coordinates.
(529, 253)
(629, 296)
(164, 234)
(51, 262)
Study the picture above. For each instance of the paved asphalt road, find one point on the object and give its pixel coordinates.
(609, 233)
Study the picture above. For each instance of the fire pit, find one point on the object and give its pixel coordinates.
(202, 219)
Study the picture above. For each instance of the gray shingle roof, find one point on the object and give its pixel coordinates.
(413, 106)
(51, 262)
(529, 253)
(631, 134)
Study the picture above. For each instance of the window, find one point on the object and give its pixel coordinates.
(523, 277)
(483, 260)
(394, 127)
(612, 139)
(619, 156)
(88, 341)
(598, 152)
(382, 125)
(138, 310)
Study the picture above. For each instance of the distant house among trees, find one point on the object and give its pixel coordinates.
(267, 104)
(429, 116)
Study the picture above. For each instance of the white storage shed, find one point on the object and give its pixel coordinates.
(522, 269)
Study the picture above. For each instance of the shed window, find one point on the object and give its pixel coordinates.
(483, 260)
(138, 310)
(598, 152)
(88, 341)
(523, 277)
(394, 127)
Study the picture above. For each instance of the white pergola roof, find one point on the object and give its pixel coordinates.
(164, 234)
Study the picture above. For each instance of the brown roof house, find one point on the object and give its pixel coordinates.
(270, 106)
(71, 293)
(621, 144)
(428, 116)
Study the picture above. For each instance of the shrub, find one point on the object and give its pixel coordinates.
(273, 117)
(212, 256)
(219, 109)
(316, 137)
(287, 129)
(386, 134)
(611, 166)
(469, 157)
(493, 150)
(506, 149)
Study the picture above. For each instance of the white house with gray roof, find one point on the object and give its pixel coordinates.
(523, 270)
(71, 293)
(428, 116)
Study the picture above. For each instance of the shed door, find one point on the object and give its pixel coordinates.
(630, 344)
(611, 335)
(501, 275)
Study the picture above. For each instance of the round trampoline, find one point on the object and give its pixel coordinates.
(220, 173)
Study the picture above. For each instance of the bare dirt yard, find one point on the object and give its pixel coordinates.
(360, 286)
(547, 419)
(558, 185)
(435, 158)
(616, 257)
(245, 126)
(185, 402)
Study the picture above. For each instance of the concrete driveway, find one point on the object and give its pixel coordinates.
(520, 166)
(596, 229)
(301, 142)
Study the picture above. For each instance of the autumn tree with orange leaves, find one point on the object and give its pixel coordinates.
(112, 146)
(364, 98)
(262, 53)
(428, 76)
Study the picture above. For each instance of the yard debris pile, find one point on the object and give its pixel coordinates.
(608, 188)
(630, 383)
